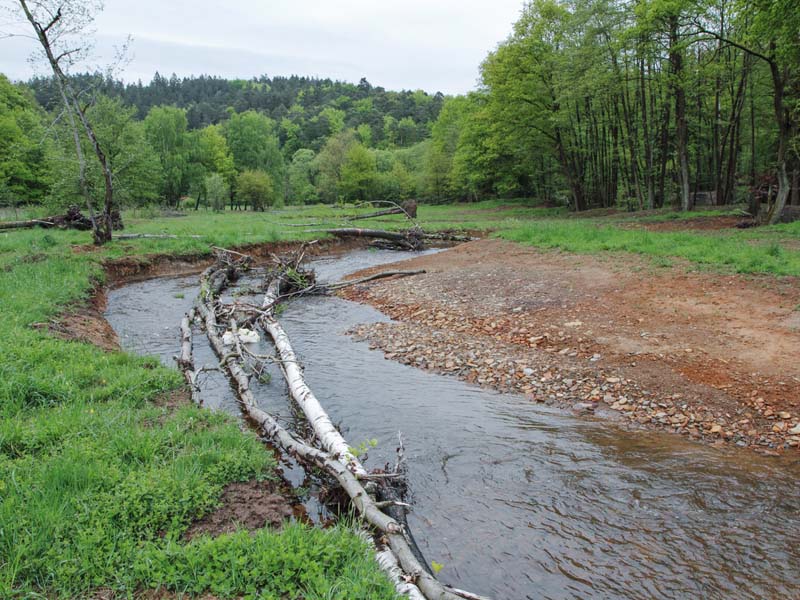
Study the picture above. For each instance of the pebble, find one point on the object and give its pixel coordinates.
(502, 354)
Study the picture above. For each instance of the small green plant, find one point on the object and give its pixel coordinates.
(774, 250)
(662, 262)
(179, 296)
(362, 449)
(297, 279)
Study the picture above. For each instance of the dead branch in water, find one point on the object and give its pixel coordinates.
(410, 239)
(185, 360)
(411, 577)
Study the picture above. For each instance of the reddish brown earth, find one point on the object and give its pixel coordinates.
(84, 322)
(711, 356)
(249, 505)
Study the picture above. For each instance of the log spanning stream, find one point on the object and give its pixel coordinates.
(515, 499)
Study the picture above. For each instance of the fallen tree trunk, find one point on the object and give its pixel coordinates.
(330, 287)
(410, 239)
(46, 222)
(155, 236)
(415, 579)
(378, 213)
(407, 208)
(323, 428)
(185, 360)
(73, 218)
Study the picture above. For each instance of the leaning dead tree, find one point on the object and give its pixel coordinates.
(60, 27)
(407, 208)
(327, 451)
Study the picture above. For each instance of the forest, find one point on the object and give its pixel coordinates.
(587, 104)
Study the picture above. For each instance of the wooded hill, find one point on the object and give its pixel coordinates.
(588, 103)
(314, 107)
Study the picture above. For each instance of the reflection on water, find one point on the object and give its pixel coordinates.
(515, 499)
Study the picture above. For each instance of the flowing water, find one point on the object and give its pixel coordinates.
(515, 499)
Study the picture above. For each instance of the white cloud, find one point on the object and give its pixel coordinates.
(435, 46)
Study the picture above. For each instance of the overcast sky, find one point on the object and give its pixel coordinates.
(434, 45)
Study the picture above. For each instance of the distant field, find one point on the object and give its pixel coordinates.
(705, 237)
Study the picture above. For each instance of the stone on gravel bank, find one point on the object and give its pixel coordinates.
(555, 367)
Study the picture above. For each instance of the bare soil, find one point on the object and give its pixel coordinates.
(84, 322)
(249, 505)
(711, 356)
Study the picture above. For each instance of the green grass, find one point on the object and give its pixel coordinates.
(98, 483)
(760, 251)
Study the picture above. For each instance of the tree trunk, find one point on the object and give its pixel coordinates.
(87, 196)
(681, 128)
(103, 225)
(784, 122)
(324, 429)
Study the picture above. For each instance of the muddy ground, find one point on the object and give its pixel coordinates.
(710, 356)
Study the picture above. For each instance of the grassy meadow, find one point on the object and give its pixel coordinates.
(99, 479)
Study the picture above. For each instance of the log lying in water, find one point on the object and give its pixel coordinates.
(411, 577)
(185, 360)
(324, 429)
(408, 239)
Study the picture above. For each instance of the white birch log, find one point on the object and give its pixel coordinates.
(364, 503)
(324, 429)
(185, 360)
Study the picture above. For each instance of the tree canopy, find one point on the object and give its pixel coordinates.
(587, 103)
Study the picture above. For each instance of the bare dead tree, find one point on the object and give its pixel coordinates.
(61, 28)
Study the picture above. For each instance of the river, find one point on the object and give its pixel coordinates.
(515, 499)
